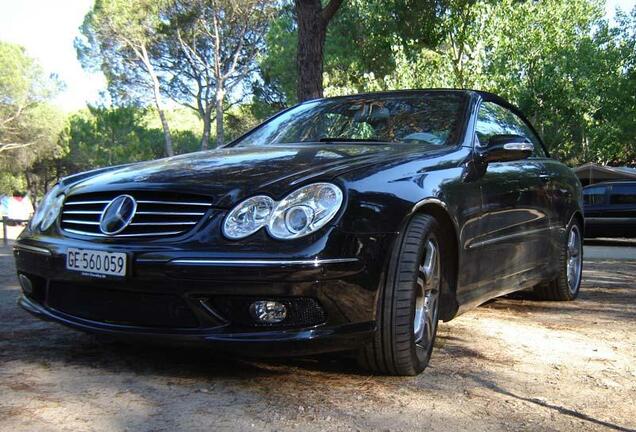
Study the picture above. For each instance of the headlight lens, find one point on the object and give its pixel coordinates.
(300, 213)
(305, 211)
(52, 212)
(45, 205)
(248, 217)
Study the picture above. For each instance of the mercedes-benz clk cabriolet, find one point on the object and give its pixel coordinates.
(351, 223)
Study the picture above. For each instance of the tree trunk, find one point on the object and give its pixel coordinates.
(220, 133)
(311, 41)
(31, 189)
(156, 89)
(166, 131)
(312, 30)
(207, 123)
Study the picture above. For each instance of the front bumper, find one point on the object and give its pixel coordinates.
(273, 343)
(344, 287)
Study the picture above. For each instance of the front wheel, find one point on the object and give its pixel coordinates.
(566, 286)
(408, 306)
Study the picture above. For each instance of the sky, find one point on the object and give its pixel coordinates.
(47, 29)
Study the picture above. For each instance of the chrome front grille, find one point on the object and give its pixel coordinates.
(158, 214)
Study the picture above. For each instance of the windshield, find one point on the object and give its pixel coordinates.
(430, 119)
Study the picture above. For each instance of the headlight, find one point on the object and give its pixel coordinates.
(47, 211)
(300, 213)
(248, 217)
(305, 211)
(52, 212)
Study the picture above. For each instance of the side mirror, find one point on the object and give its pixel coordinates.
(503, 148)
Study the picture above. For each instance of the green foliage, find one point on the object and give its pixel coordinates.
(11, 183)
(238, 120)
(29, 125)
(558, 60)
(180, 119)
(360, 43)
(275, 87)
(102, 136)
(25, 118)
(121, 38)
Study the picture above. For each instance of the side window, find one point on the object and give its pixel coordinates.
(494, 119)
(491, 120)
(623, 194)
(594, 195)
(523, 129)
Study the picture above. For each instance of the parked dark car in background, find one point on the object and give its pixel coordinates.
(345, 224)
(610, 209)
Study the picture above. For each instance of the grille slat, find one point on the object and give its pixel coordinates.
(161, 223)
(169, 213)
(175, 203)
(168, 233)
(86, 202)
(80, 222)
(159, 214)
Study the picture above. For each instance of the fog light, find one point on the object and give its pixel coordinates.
(26, 284)
(268, 312)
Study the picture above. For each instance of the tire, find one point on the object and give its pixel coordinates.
(567, 285)
(410, 292)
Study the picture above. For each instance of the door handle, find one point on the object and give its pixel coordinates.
(545, 177)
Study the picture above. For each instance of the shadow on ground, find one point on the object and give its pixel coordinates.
(486, 374)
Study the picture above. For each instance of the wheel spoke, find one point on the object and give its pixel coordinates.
(429, 328)
(427, 296)
(574, 261)
(429, 261)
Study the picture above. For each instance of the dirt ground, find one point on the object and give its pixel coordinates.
(511, 365)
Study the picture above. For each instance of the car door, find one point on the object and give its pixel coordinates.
(621, 212)
(515, 217)
(595, 203)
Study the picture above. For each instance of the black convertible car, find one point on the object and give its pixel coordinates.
(352, 223)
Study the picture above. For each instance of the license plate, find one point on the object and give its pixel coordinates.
(98, 263)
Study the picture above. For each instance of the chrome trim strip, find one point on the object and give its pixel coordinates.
(34, 249)
(85, 202)
(430, 201)
(168, 213)
(175, 203)
(72, 231)
(265, 262)
(519, 146)
(84, 212)
(79, 222)
(161, 223)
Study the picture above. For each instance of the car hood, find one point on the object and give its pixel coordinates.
(229, 175)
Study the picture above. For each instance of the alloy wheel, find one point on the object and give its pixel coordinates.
(427, 296)
(574, 259)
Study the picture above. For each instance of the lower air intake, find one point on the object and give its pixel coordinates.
(301, 311)
(120, 307)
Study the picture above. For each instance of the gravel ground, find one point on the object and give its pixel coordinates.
(513, 364)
